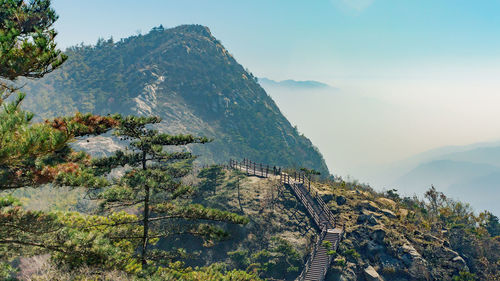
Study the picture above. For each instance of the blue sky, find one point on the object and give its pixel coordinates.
(321, 39)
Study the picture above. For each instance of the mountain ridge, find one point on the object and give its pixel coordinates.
(464, 172)
(294, 84)
(184, 75)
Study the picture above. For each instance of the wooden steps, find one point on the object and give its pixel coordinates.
(319, 261)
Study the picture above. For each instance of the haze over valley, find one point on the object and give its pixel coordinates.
(367, 135)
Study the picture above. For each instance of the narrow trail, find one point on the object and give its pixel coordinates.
(330, 233)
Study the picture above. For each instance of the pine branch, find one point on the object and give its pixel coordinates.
(27, 243)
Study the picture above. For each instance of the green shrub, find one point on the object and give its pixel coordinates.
(464, 276)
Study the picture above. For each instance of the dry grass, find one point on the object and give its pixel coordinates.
(39, 268)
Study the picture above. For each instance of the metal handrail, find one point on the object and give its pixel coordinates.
(295, 183)
(318, 243)
(325, 208)
(251, 168)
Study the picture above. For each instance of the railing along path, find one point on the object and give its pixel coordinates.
(319, 260)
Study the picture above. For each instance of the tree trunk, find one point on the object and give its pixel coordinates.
(239, 197)
(145, 235)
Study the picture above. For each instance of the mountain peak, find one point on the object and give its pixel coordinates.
(185, 76)
(192, 28)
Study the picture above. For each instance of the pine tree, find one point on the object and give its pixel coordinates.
(32, 154)
(27, 46)
(212, 177)
(153, 185)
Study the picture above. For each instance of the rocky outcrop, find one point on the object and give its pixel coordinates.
(341, 200)
(388, 213)
(371, 274)
(387, 251)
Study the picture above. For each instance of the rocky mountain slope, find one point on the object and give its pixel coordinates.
(387, 237)
(185, 76)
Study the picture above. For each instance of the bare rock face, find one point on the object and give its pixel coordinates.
(417, 266)
(388, 213)
(403, 213)
(460, 262)
(368, 205)
(387, 202)
(371, 274)
(368, 218)
(98, 146)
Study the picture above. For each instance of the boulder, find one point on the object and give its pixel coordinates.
(409, 249)
(446, 253)
(431, 238)
(378, 235)
(372, 220)
(341, 200)
(417, 266)
(373, 248)
(368, 205)
(327, 197)
(386, 202)
(371, 274)
(375, 214)
(369, 218)
(388, 213)
(403, 213)
(460, 261)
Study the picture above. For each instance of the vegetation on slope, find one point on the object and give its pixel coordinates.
(435, 238)
(185, 76)
(388, 237)
(34, 154)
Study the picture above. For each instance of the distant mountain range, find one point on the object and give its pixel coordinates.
(185, 76)
(469, 173)
(293, 84)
